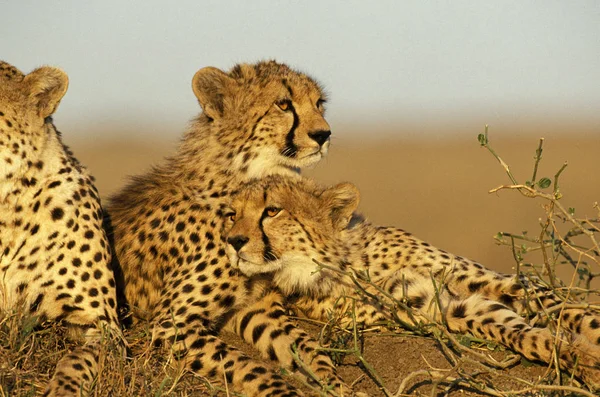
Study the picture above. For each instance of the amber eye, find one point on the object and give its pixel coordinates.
(230, 216)
(320, 103)
(284, 104)
(272, 211)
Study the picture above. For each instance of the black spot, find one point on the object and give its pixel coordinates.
(246, 319)
(206, 289)
(459, 311)
(36, 303)
(227, 302)
(57, 213)
(476, 286)
(257, 332)
(249, 377)
(196, 365)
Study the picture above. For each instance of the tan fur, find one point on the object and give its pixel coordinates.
(299, 221)
(257, 120)
(54, 255)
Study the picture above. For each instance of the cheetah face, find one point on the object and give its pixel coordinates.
(269, 116)
(26, 103)
(281, 224)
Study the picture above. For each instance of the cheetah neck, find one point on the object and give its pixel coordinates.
(51, 157)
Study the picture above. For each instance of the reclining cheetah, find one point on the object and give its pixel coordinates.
(257, 120)
(54, 255)
(296, 221)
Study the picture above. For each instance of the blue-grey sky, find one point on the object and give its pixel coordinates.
(132, 61)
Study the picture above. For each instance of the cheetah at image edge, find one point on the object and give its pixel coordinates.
(54, 254)
(296, 221)
(167, 225)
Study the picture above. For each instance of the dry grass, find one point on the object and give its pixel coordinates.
(29, 353)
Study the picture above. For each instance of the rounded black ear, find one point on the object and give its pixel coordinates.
(47, 86)
(211, 86)
(341, 201)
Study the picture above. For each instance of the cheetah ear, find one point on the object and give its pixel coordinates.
(341, 200)
(211, 86)
(47, 86)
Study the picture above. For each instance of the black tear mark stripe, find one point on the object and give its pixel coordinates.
(268, 254)
(290, 149)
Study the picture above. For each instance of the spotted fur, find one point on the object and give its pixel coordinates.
(298, 221)
(257, 120)
(54, 254)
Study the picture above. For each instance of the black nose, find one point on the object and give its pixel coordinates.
(237, 242)
(320, 136)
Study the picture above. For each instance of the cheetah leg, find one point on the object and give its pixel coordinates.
(524, 295)
(266, 326)
(494, 321)
(207, 355)
(74, 373)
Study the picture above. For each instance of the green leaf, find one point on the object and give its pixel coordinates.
(571, 211)
(482, 139)
(544, 183)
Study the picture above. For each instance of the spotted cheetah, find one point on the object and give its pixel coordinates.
(54, 254)
(297, 221)
(257, 119)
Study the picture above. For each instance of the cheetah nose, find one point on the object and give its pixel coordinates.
(237, 242)
(320, 136)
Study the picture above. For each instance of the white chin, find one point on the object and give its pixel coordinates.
(305, 161)
(251, 269)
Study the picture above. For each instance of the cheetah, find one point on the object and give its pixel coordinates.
(298, 221)
(256, 120)
(54, 254)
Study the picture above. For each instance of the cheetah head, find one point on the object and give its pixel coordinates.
(281, 224)
(26, 104)
(267, 115)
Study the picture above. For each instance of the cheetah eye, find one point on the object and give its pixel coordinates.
(230, 216)
(272, 211)
(284, 104)
(320, 103)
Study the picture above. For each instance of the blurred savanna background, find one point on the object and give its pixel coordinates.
(411, 86)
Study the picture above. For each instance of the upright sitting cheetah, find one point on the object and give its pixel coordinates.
(257, 120)
(297, 221)
(54, 255)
